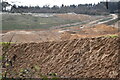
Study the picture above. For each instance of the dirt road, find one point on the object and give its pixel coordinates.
(92, 22)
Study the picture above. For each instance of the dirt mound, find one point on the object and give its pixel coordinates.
(78, 58)
(88, 32)
(101, 29)
(104, 27)
(59, 34)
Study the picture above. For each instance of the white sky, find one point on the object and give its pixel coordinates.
(51, 2)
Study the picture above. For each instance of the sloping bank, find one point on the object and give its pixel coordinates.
(78, 58)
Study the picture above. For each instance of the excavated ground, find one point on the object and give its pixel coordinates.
(77, 58)
(69, 33)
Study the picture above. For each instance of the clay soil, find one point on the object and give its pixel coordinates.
(78, 58)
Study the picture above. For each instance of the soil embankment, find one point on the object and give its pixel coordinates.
(77, 58)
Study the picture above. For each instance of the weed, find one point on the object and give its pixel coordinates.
(4, 74)
(6, 43)
(5, 61)
(44, 77)
(0, 58)
(112, 36)
(6, 64)
(37, 67)
(52, 74)
(0, 76)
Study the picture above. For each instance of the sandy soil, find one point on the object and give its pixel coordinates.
(59, 34)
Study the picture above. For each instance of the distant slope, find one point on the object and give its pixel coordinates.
(16, 21)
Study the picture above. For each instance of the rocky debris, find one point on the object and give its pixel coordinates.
(77, 58)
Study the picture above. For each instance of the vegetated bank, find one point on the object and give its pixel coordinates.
(78, 58)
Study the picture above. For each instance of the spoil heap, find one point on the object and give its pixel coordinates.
(78, 58)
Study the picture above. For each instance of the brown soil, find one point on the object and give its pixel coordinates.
(88, 32)
(55, 35)
(78, 58)
(5, 31)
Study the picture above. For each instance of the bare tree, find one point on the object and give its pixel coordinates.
(5, 5)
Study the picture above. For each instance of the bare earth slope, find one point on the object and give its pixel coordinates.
(78, 58)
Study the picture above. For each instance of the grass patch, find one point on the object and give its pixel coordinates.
(20, 22)
(6, 43)
(0, 58)
(112, 36)
(105, 19)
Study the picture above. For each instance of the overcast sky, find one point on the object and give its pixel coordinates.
(51, 2)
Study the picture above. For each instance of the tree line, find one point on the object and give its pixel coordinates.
(92, 9)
